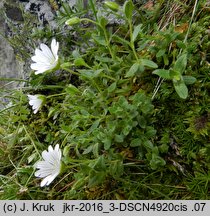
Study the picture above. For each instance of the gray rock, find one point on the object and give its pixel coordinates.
(9, 66)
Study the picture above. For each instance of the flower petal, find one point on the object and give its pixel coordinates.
(50, 148)
(46, 51)
(43, 173)
(37, 66)
(40, 55)
(46, 181)
(50, 167)
(31, 97)
(40, 71)
(45, 58)
(50, 156)
(54, 48)
(35, 102)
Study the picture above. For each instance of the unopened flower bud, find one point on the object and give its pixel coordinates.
(72, 21)
(112, 5)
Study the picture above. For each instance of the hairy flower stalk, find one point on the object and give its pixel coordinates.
(50, 167)
(45, 58)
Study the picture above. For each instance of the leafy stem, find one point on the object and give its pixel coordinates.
(105, 35)
(71, 71)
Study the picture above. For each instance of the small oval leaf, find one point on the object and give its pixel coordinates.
(148, 63)
(134, 68)
(181, 88)
(162, 73)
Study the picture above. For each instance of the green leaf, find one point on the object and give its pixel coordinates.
(88, 150)
(148, 63)
(120, 40)
(85, 169)
(181, 45)
(71, 89)
(79, 62)
(181, 88)
(116, 168)
(176, 75)
(162, 73)
(136, 31)
(134, 68)
(127, 128)
(76, 54)
(142, 121)
(165, 59)
(30, 158)
(189, 80)
(142, 101)
(112, 5)
(148, 144)
(136, 142)
(112, 87)
(100, 164)
(87, 74)
(90, 74)
(66, 151)
(96, 178)
(150, 132)
(103, 21)
(66, 65)
(156, 161)
(107, 143)
(97, 73)
(94, 125)
(180, 63)
(119, 138)
(99, 39)
(128, 9)
(78, 184)
(96, 148)
(163, 148)
(2, 153)
(52, 111)
(25, 170)
(160, 53)
(104, 59)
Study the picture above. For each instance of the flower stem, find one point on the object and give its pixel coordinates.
(71, 71)
(96, 85)
(105, 35)
(109, 77)
(32, 141)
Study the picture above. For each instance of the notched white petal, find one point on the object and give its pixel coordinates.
(46, 51)
(45, 58)
(50, 167)
(54, 48)
(46, 181)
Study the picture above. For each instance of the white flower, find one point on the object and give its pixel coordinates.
(50, 167)
(46, 58)
(35, 101)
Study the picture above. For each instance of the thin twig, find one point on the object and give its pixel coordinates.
(160, 80)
